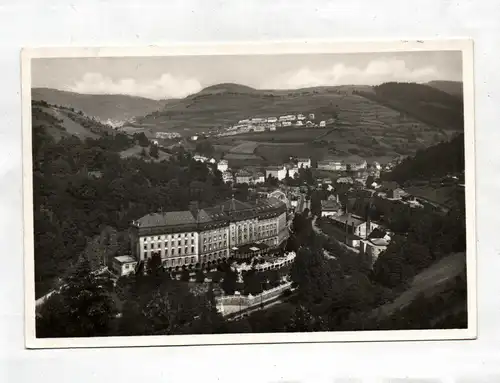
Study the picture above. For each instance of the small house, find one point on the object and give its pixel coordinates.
(124, 265)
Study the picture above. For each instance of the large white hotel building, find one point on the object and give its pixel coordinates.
(201, 237)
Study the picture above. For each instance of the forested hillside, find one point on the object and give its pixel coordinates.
(425, 103)
(86, 195)
(436, 161)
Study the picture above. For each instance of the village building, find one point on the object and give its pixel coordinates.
(322, 124)
(357, 165)
(243, 177)
(289, 118)
(301, 117)
(259, 178)
(376, 243)
(259, 128)
(286, 123)
(331, 207)
(227, 176)
(312, 116)
(303, 163)
(354, 225)
(278, 172)
(272, 119)
(123, 265)
(200, 158)
(258, 120)
(345, 180)
(222, 166)
(391, 190)
(299, 123)
(332, 165)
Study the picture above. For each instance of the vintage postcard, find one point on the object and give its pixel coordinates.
(249, 193)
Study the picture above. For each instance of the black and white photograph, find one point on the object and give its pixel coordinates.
(259, 193)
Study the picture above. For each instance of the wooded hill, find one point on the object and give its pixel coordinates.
(425, 103)
(436, 161)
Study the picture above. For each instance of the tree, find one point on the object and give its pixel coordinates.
(274, 278)
(252, 282)
(141, 139)
(200, 276)
(185, 275)
(302, 321)
(83, 308)
(205, 147)
(154, 265)
(228, 284)
(315, 275)
(153, 151)
(316, 204)
(369, 181)
(216, 276)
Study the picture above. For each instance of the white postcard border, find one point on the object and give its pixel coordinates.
(252, 48)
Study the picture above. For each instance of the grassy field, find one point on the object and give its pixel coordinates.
(246, 147)
(284, 135)
(222, 107)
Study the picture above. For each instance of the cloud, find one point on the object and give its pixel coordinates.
(374, 73)
(167, 86)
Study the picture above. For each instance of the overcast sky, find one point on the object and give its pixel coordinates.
(179, 76)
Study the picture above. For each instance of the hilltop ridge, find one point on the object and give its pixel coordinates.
(112, 108)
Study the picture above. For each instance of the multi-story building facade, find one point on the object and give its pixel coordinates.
(222, 166)
(303, 163)
(199, 237)
(332, 165)
(278, 172)
(227, 176)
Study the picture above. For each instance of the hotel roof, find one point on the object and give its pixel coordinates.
(171, 218)
(231, 209)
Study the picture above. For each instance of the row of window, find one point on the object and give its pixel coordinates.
(215, 246)
(172, 242)
(169, 237)
(179, 261)
(173, 252)
(215, 238)
(189, 238)
(214, 256)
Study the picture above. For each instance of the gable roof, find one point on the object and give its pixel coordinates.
(348, 220)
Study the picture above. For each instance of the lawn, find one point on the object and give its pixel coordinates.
(246, 147)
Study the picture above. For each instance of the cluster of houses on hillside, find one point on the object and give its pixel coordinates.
(262, 124)
(253, 175)
(167, 135)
